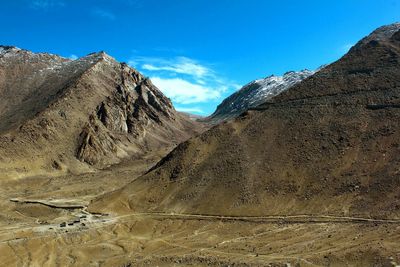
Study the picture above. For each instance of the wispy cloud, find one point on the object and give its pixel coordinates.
(102, 13)
(46, 4)
(186, 81)
(185, 92)
(180, 65)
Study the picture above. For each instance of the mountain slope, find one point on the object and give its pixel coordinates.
(59, 115)
(327, 146)
(256, 93)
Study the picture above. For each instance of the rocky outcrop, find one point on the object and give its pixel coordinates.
(97, 147)
(135, 104)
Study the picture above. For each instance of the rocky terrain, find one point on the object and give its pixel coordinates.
(256, 93)
(73, 116)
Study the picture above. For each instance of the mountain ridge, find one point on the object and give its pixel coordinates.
(256, 93)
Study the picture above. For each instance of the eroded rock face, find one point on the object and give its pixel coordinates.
(95, 144)
(113, 117)
(134, 105)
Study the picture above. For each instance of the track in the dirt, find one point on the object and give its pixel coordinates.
(303, 218)
(288, 219)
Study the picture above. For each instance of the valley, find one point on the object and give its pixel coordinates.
(97, 168)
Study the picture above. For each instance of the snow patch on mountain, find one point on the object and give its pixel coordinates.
(256, 93)
(8, 50)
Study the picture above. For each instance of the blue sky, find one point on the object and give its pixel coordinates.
(197, 51)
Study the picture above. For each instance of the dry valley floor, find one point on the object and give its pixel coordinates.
(45, 223)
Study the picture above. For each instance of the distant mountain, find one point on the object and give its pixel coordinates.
(61, 115)
(328, 146)
(256, 93)
(194, 117)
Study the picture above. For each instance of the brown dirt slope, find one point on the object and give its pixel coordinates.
(329, 145)
(59, 116)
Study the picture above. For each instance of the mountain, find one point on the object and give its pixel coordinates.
(256, 93)
(193, 116)
(59, 115)
(328, 146)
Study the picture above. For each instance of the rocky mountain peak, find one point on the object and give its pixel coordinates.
(90, 112)
(365, 61)
(7, 48)
(381, 34)
(99, 56)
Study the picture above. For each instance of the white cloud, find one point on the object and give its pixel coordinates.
(180, 65)
(103, 13)
(73, 57)
(45, 4)
(186, 81)
(185, 92)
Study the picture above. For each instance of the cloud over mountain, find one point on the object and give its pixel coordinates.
(185, 80)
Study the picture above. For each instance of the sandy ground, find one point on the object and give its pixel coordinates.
(155, 241)
(44, 222)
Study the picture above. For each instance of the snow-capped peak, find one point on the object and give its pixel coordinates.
(8, 49)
